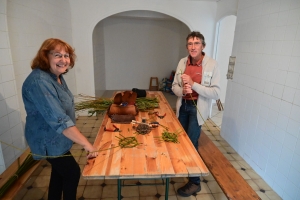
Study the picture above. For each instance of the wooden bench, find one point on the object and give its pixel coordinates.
(10, 171)
(231, 182)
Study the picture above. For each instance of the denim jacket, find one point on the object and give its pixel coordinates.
(50, 110)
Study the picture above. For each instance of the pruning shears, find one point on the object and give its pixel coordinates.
(158, 124)
(112, 130)
(160, 116)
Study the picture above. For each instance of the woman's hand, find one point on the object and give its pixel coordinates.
(91, 152)
(74, 134)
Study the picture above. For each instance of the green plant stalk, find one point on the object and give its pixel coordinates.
(147, 103)
(127, 142)
(26, 165)
(200, 113)
(169, 137)
(101, 105)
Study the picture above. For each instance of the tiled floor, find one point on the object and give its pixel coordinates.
(37, 185)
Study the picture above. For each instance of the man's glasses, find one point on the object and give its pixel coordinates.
(197, 44)
(59, 55)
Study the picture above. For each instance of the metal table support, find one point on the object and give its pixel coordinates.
(166, 189)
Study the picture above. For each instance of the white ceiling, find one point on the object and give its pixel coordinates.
(205, 0)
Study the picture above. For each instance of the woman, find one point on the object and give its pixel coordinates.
(50, 122)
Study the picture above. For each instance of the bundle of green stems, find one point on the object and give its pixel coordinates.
(100, 105)
(26, 165)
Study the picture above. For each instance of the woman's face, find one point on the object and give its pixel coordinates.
(59, 61)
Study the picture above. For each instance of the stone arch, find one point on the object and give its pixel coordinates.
(166, 12)
(102, 83)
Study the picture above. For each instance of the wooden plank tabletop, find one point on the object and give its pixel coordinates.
(150, 159)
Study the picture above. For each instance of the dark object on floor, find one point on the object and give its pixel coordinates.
(167, 83)
(231, 182)
(219, 104)
(189, 189)
(153, 86)
(140, 93)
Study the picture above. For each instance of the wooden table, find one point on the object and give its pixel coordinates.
(151, 159)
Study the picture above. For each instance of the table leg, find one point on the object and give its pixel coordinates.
(119, 189)
(167, 189)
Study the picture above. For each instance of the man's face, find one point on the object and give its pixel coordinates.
(195, 47)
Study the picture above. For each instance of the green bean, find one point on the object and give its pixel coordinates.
(169, 136)
(127, 142)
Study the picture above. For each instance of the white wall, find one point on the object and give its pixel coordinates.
(139, 48)
(262, 116)
(226, 8)
(24, 25)
(29, 24)
(196, 15)
(225, 38)
(99, 60)
(10, 121)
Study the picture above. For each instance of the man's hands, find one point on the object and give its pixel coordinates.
(187, 89)
(188, 82)
(187, 79)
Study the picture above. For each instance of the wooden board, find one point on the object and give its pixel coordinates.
(231, 182)
(152, 158)
(11, 170)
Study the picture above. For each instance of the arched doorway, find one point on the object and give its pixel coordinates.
(223, 48)
(131, 47)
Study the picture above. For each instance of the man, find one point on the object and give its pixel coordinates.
(196, 83)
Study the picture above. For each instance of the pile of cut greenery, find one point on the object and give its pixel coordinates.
(24, 167)
(97, 106)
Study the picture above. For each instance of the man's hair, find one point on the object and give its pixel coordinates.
(197, 35)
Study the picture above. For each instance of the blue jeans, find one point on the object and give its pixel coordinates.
(188, 120)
